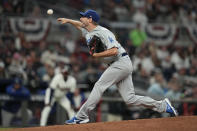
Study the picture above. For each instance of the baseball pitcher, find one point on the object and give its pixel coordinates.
(103, 44)
(59, 86)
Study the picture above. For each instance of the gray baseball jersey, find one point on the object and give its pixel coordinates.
(108, 39)
(119, 73)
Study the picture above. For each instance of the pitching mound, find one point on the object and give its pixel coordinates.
(183, 123)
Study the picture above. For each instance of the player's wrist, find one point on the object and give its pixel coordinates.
(95, 54)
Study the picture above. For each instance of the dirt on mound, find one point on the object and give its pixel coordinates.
(182, 123)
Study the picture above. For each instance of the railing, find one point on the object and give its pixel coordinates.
(104, 100)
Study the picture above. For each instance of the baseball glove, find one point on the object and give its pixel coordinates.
(96, 45)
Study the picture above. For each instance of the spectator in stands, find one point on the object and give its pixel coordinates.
(69, 43)
(110, 15)
(181, 75)
(174, 92)
(49, 55)
(77, 98)
(167, 68)
(76, 72)
(20, 41)
(158, 87)
(139, 3)
(192, 51)
(173, 18)
(137, 36)
(3, 74)
(180, 59)
(31, 71)
(7, 7)
(137, 58)
(12, 108)
(147, 62)
(163, 10)
(16, 68)
(191, 76)
(152, 11)
(4, 78)
(49, 68)
(7, 37)
(142, 65)
(45, 73)
(18, 7)
(140, 17)
(162, 52)
(121, 12)
(154, 56)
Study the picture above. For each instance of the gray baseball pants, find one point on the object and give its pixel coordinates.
(119, 73)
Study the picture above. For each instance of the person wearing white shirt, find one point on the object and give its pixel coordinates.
(56, 92)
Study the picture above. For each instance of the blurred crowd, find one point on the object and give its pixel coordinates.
(163, 70)
(144, 11)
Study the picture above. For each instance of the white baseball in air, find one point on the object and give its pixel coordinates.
(49, 11)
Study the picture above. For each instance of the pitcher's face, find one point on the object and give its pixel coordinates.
(85, 21)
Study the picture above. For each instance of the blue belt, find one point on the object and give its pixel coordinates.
(123, 54)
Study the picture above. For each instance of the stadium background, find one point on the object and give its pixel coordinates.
(159, 35)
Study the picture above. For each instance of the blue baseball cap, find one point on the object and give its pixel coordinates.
(90, 14)
(17, 81)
